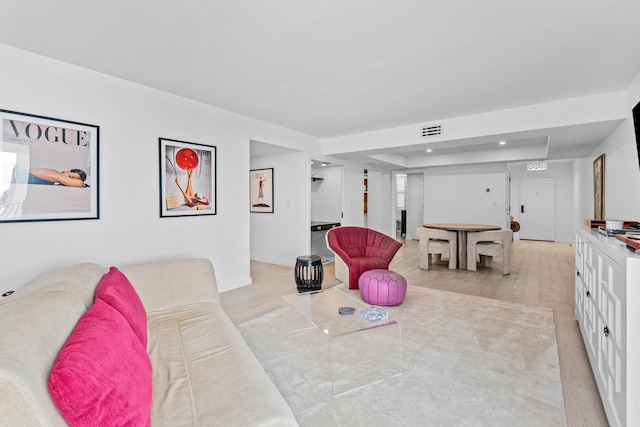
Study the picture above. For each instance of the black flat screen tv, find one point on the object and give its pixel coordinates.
(636, 125)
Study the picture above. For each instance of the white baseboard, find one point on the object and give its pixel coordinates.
(227, 286)
(284, 262)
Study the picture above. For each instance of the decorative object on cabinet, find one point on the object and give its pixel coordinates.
(187, 178)
(631, 240)
(606, 293)
(595, 223)
(51, 166)
(261, 195)
(598, 187)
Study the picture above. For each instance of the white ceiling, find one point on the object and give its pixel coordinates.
(331, 68)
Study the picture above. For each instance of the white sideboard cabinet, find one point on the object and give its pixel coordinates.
(608, 311)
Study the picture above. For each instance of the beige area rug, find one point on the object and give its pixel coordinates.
(467, 361)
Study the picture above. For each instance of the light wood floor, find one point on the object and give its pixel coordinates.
(542, 275)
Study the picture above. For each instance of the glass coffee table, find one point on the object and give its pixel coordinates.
(362, 351)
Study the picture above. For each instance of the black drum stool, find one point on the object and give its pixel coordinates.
(309, 273)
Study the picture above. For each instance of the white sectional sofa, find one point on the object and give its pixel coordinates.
(202, 371)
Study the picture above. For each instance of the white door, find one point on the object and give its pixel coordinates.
(415, 204)
(538, 209)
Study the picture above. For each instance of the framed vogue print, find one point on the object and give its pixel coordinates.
(187, 178)
(261, 194)
(598, 187)
(48, 168)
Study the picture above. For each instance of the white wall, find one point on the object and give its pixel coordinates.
(387, 204)
(280, 237)
(131, 118)
(326, 195)
(621, 173)
(458, 194)
(563, 173)
(415, 202)
(353, 197)
(374, 201)
(582, 190)
(326, 205)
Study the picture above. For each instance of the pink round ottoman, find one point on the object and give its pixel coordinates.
(382, 287)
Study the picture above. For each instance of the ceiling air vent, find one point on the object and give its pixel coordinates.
(432, 130)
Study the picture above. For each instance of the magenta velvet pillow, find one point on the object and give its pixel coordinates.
(102, 375)
(116, 290)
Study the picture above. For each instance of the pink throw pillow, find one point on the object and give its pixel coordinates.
(116, 290)
(102, 375)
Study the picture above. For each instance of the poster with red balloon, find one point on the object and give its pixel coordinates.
(187, 178)
(48, 168)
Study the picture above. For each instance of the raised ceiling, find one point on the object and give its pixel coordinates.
(332, 68)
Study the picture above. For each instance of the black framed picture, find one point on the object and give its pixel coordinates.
(49, 168)
(187, 178)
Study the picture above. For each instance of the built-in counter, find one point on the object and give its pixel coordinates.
(318, 239)
(323, 225)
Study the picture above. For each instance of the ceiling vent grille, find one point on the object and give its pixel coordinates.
(536, 166)
(432, 131)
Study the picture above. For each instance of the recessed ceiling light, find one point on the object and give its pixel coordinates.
(503, 142)
(429, 150)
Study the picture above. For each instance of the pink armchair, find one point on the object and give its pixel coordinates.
(359, 249)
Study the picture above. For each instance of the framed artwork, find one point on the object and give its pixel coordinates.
(187, 178)
(598, 187)
(261, 194)
(48, 168)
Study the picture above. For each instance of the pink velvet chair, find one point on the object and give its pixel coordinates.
(359, 249)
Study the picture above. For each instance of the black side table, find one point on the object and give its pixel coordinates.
(309, 273)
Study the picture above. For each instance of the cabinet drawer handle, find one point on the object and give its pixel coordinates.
(588, 294)
(606, 331)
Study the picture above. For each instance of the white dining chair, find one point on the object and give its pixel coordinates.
(434, 243)
(489, 244)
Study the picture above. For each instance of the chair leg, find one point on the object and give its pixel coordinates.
(472, 264)
(471, 257)
(425, 258)
(506, 261)
(452, 264)
(453, 260)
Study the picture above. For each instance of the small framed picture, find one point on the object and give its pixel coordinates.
(48, 168)
(261, 194)
(598, 187)
(187, 178)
